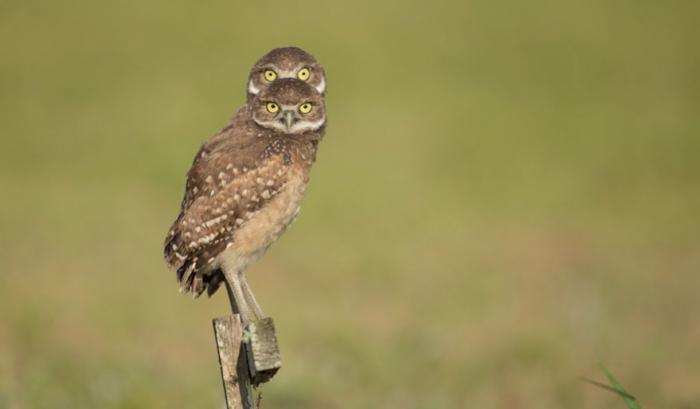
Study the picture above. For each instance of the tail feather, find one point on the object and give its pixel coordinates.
(216, 279)
(198, 286)
(184, 274)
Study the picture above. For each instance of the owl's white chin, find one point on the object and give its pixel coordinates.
(306, 126)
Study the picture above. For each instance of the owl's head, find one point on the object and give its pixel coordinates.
(286, 62)
(289, 106)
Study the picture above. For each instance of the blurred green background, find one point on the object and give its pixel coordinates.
(508, 194)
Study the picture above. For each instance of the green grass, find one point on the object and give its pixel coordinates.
(629, 400)
(508, 193)
(616, 387)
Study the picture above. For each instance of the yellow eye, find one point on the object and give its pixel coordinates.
(303, 74)
(272, 107)
(305, 108)
(270, 75)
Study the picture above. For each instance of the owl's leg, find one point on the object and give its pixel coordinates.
(235, 293)
(251, 298)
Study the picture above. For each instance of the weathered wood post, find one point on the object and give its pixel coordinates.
(248, 356)
(232, 359)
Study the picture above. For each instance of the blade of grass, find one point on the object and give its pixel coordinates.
(607, 387)
(630, 400)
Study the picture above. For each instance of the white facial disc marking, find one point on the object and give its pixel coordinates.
(252, 88)
(321, 86)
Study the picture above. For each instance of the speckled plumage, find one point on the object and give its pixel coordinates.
(244, 188)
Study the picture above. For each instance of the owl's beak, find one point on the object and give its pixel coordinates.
(289, 119)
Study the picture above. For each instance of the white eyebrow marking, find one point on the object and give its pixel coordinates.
(286, 74)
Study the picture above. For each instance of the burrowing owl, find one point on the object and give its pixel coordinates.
(244, 188)
(279, 63)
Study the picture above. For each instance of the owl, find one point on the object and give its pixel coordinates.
(285, 62)
(244, 188)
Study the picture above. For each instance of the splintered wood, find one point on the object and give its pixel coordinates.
(247, 358)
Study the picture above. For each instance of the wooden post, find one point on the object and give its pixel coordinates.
(234, 363)
(248, 357)
(263, 351)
